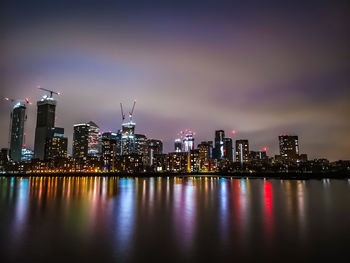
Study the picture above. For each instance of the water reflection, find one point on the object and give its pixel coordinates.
(121, 217)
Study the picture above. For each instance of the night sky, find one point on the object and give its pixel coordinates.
(261, 69)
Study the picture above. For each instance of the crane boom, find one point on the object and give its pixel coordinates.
(132, 110)
(123, 115)
(50, 91)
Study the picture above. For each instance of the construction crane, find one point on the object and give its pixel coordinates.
(123, 115)
(132, 111)
(50, 91)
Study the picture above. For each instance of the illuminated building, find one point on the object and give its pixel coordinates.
(205, 150)
(219, 145)
(188, 141)
(141, 145)
(155, 147)
(228, 149)
(109, 151)
(242, 151)
(4, 158)
(17, 131)
(258, 157)
(194, 160)
(178, 145)
(289, 148)
(205, 153)
(160, 162)
(177, 162)
(132, 163)
(27, 155)
(44, 123)
(128, 138)
(86, 140)
(81, 140)
(56, 144)
(94, 139)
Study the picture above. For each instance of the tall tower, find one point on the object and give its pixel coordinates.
(219, 144)
(242, 151)
(45, 123)
(289, 148)
(81, 140)
(188, 141)
(128, 138)
(17, 131)
(178, 145)
(228, 149)
(94, 139)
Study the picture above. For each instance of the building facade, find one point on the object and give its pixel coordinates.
(44, 123)
(242, 151)
(17, 131)
(289, 148)
(219, 145)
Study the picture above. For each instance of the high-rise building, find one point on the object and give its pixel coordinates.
(109, 151)
(94, 139)
(86, 140)
(128, 138)
(155, 147)
(44, 123)
(188, 141)
(289, 148)
(242, 151)
(140, 145)
(17, 131)
(56, 145)
(178, 145)
(205, 149)
(228, 149)
(219, 145)
(81, 140)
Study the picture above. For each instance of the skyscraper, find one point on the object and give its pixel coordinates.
(178, 145)
(205, 155)
(17, 131)
(140, 144)
(44, 123)
(94, 139)
(155, 147)
(188, 141)
(228, 149)
(242, 151)
(128, 138)
(81, 140)
(289, 148)
(109, 151)
(56, 145)
(219, 145)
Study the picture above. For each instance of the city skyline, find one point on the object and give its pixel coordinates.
(256, 71)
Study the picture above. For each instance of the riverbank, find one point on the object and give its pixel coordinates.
(289, 176)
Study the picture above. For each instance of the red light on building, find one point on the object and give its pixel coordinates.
(233, 131)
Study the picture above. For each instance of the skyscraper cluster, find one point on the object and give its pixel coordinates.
(127, 151)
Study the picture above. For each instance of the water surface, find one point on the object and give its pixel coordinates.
(100, 219)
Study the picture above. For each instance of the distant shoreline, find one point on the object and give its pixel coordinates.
(288, 176)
